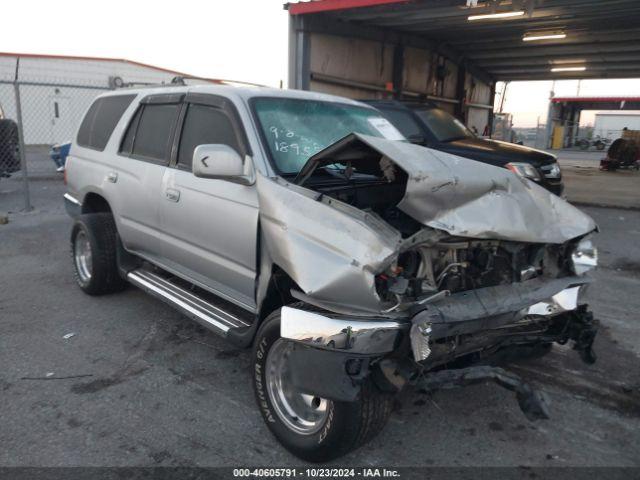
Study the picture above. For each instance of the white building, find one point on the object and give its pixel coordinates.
(610, 124)
(56, 91)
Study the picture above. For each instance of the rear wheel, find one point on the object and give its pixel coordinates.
(312, 428)
(93, 251)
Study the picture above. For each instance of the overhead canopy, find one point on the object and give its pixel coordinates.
(602, 37)
(600, 103)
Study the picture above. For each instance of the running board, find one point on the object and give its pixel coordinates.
(209, 313)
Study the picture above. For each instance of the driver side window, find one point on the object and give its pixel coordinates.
(204, 124)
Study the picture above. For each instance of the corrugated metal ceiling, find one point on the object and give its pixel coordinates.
(602, 36)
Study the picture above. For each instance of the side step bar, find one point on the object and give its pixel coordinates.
(203, 311)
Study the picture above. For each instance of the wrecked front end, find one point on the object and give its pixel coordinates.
(411, 261)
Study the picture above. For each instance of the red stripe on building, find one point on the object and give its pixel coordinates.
(318, 6)
(594, 99)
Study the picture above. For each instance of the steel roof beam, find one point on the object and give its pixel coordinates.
(573, 37)
(498, 71)
(555, 51)
(607, 73)
(549, 59)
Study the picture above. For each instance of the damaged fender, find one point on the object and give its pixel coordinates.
(330, 249)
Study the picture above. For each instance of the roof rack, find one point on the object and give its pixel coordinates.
(180, 80)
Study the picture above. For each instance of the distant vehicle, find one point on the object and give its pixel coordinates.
(427, 125)
(597, 141)
(9, 157)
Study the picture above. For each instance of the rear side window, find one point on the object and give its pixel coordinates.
(204, 124)
(101, 119)
(153, 137)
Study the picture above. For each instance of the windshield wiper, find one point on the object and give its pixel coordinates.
(453, 139)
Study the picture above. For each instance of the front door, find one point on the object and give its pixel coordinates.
(211, 225)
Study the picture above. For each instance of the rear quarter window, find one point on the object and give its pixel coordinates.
(101, 119)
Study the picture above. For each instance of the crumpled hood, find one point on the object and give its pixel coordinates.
(464, 197)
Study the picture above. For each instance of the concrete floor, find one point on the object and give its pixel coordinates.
(161, 391)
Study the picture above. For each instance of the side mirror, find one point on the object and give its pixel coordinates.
(220, 161)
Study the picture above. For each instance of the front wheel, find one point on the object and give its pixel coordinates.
(312, 428)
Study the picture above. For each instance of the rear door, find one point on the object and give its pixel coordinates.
(211, 225)
(144, 154)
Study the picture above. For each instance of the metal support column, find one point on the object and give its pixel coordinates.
(398, 71)
(23, 159)
(299, 54)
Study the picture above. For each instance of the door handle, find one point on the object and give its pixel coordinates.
(112, 177)
(172, 194)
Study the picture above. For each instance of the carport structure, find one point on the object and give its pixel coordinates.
(454, 51)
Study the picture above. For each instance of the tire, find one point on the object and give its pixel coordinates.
(344, 427)
(93, 253)
(583, 144)
(600, 145)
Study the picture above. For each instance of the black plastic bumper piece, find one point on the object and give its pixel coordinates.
(582, 329)
(532, 402)
(328, 374)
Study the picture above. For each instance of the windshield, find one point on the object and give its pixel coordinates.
(297, 129)
(443, 126)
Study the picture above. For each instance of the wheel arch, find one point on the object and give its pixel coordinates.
(94, 202)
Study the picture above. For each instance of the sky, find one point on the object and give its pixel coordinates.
(230, 39)
(528, 101)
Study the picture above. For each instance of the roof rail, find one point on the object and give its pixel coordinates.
(181, 81)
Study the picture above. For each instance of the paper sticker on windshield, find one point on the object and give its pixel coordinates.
(387, 130)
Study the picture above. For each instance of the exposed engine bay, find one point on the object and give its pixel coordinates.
(450, 264)
(457, 265)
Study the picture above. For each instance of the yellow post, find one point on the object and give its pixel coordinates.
(558, 138)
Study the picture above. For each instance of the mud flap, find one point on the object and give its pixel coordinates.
(532, 402)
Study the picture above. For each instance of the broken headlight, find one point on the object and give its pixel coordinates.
(525, 170)
(584, 256)
(552, 171)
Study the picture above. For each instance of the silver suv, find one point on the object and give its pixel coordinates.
(305, 225)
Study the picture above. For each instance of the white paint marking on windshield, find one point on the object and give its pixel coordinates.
(386, 129)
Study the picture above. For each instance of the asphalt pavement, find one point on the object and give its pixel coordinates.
(124, 380)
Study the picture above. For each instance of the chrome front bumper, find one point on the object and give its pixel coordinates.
(380, 336)
(561, 302)
(366, 337)
(72, 205)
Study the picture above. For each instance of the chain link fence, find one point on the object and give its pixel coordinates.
(35, 115)
(42, 101)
